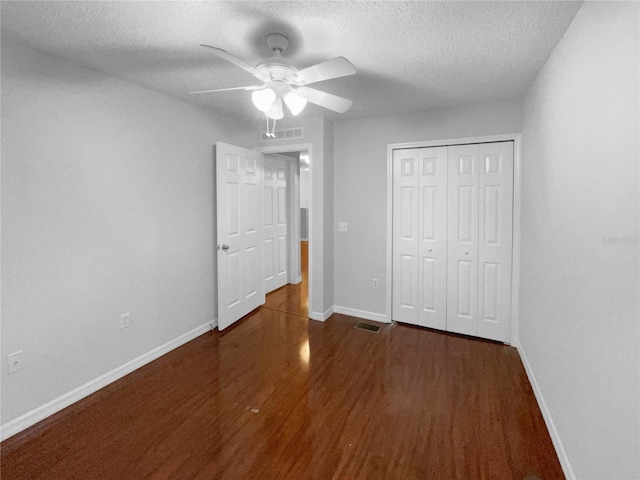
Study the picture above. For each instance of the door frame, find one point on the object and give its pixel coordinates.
(515, 272)
(302, 147)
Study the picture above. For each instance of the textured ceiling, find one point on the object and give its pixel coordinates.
(409, 55)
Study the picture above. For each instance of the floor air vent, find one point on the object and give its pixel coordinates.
(367, 327)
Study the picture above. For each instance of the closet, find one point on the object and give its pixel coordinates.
(452, 238)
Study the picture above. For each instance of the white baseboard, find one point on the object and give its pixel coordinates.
(214, 324)
(49, 408)
(553, 432)
(321, 317)
(354, 312)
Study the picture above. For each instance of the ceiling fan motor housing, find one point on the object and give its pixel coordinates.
(277, 69)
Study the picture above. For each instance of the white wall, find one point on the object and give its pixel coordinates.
(579, 292)
(107, 207)
(360, 179)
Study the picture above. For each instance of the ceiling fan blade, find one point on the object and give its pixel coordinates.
(236, 61)
(250, 87)
(335, 68)
(324, 99)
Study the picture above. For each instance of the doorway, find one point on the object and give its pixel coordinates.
(292, 296)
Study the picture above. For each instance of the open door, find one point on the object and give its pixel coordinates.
(239, 183)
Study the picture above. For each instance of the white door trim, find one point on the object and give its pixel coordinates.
(516, 139)
(295, 273)
(308, 147)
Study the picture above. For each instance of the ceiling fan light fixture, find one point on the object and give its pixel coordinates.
(263, 99)
(275, 111)
(295, 102)
(284, 83)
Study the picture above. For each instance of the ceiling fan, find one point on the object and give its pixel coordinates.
(282, 82)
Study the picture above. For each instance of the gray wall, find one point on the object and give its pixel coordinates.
(360, 186)
(107, 208)
(579, 289)
(328, 215)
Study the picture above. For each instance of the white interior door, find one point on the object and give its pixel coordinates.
(275, 223)
(420, 236)
(239, 185)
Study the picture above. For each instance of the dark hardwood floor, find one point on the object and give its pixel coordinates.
(278, 396)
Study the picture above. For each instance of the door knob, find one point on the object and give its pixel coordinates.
(225, 247)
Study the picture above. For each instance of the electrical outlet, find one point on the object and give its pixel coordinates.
(16, 361)
(125, 320)
(374, 283)
(342, 226)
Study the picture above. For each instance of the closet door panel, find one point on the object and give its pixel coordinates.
(432, 274)
(495, 240)
(462, 255)
(405, 236)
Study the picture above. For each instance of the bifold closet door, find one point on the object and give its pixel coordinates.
(480, 231)
(419, 236)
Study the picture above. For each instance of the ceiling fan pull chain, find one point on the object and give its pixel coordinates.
(272, 133)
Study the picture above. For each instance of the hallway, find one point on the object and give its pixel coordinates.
(293, 298)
